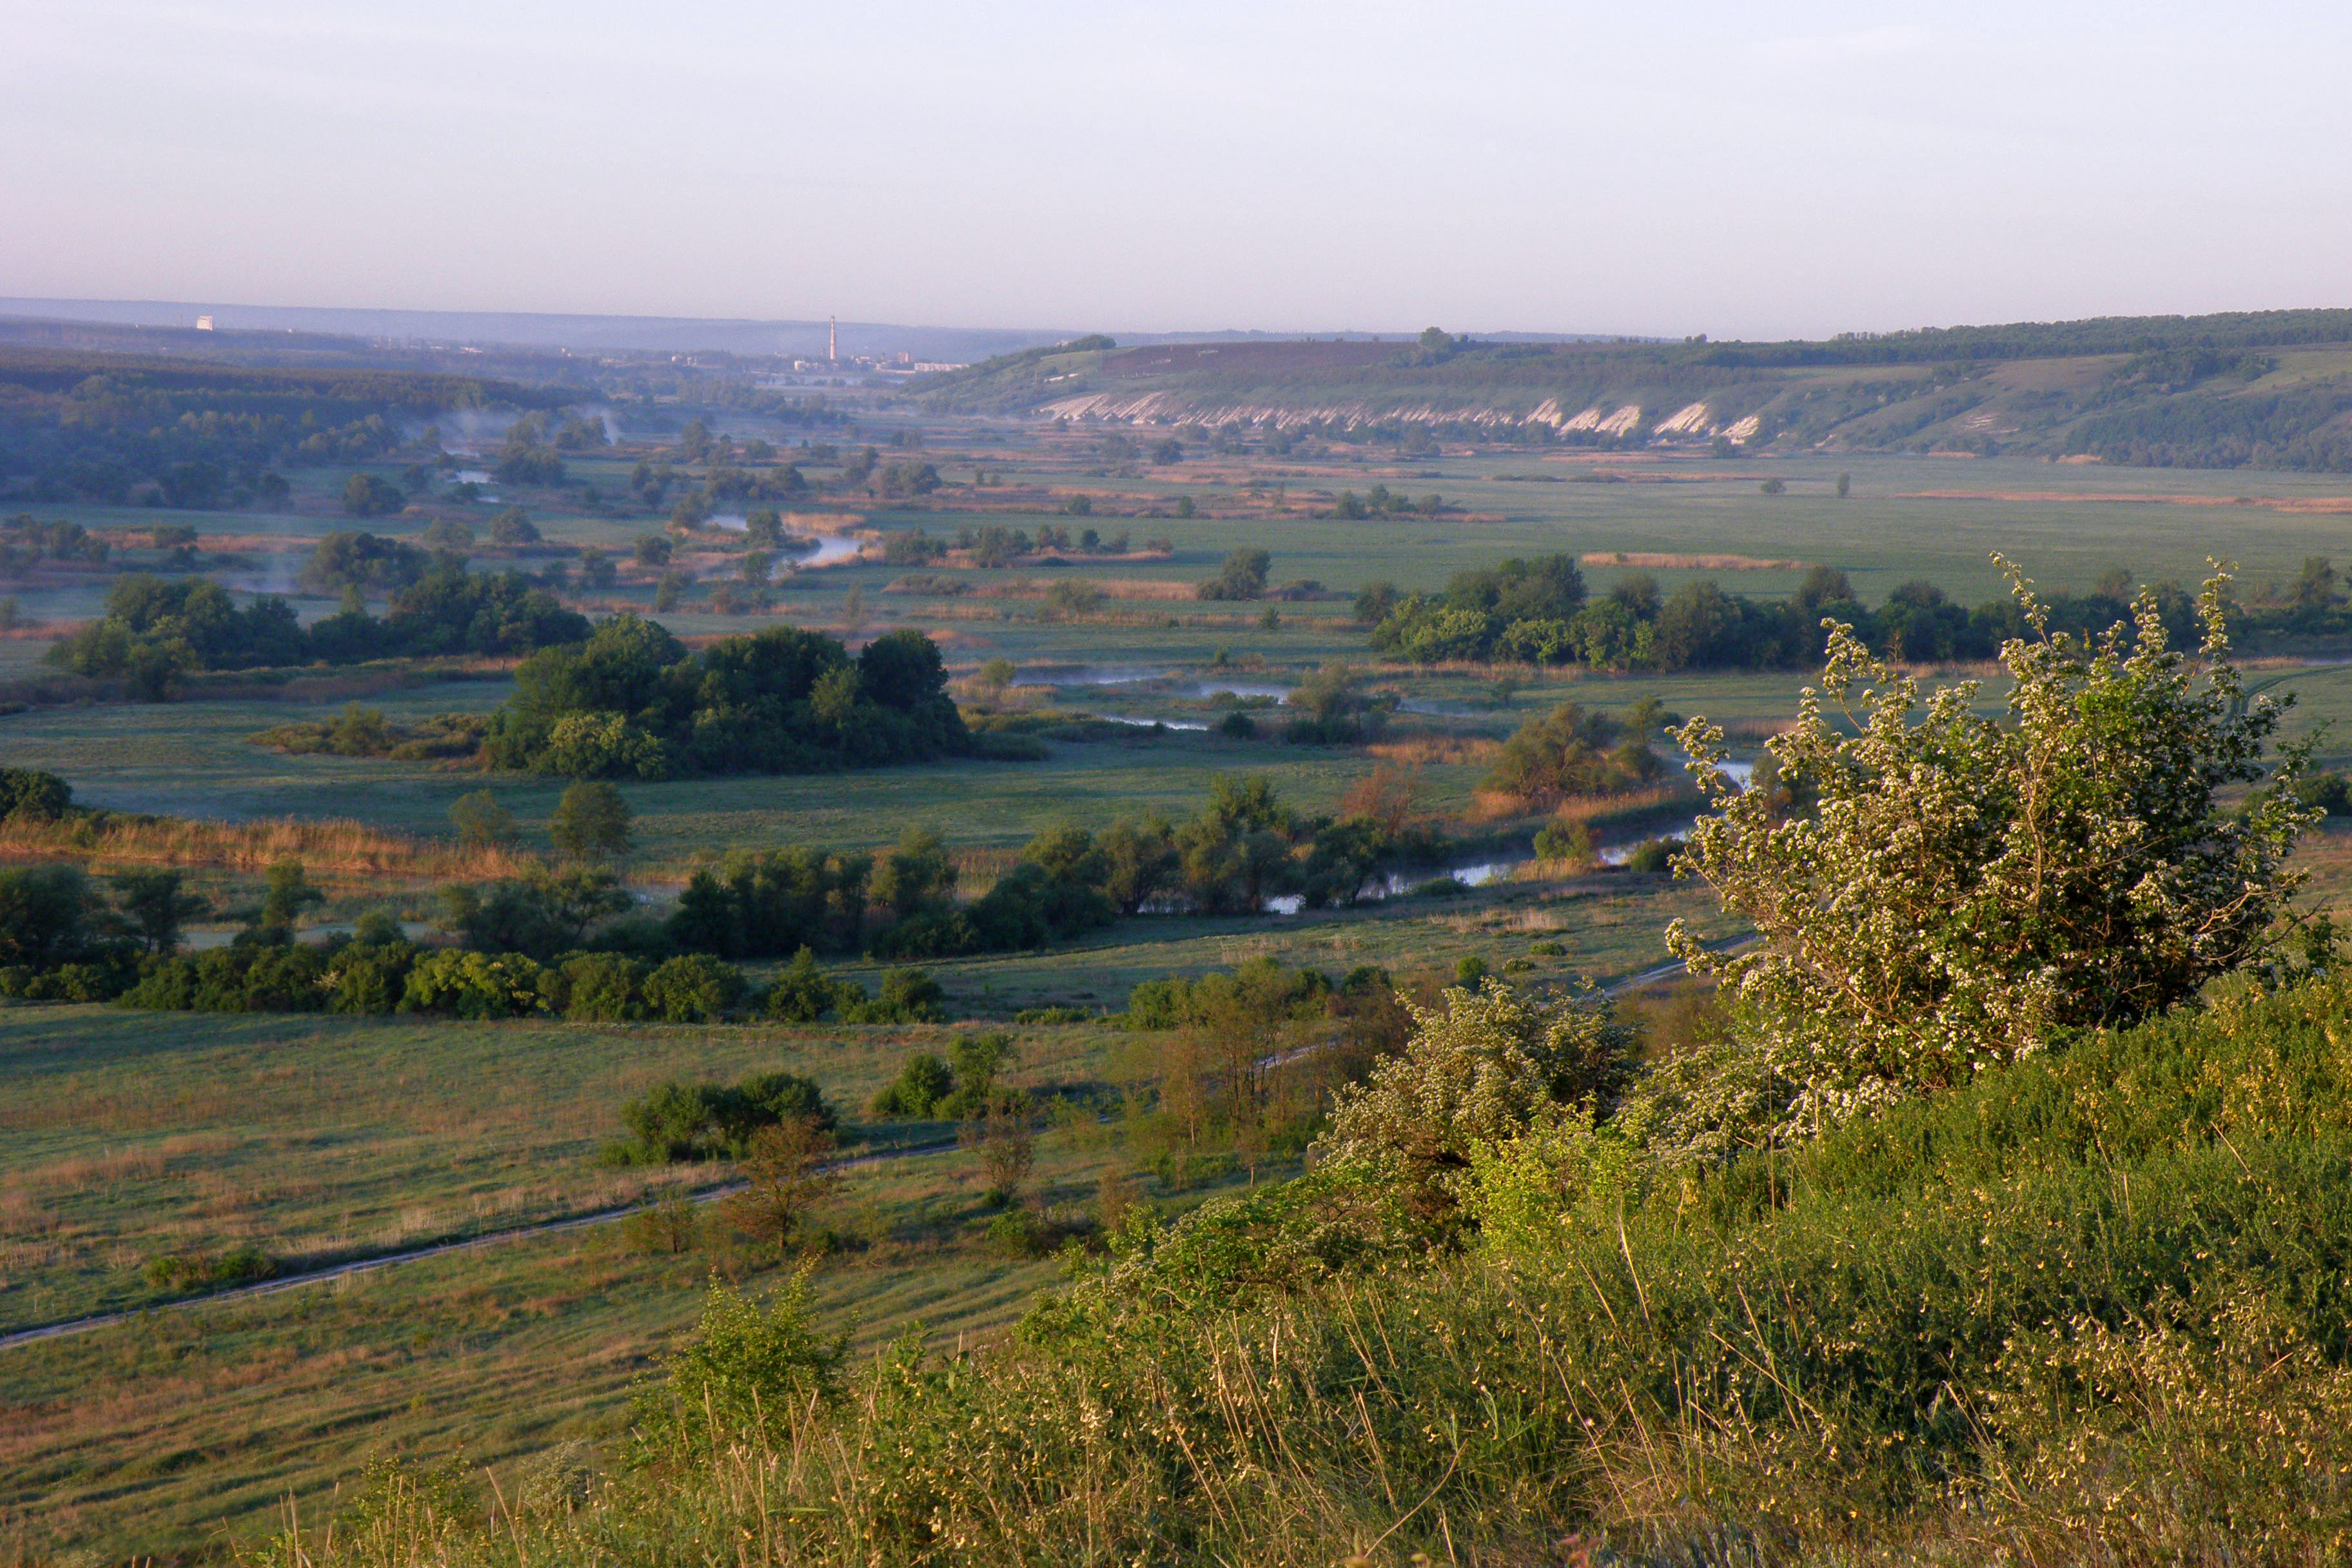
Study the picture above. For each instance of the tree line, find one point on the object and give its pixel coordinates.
(1538, 611)
(156, 632)
(125, 429)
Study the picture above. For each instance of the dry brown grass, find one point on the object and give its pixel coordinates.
(329, 846)
(1142, 588)
(1493, 805)
(1654, 559)
(1459, 749)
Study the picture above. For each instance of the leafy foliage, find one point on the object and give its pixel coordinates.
(1964, 892)
(631, 702)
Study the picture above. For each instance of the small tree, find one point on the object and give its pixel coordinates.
(481, 821)
(157, 905)
(670, 1225)
(286, 894)
(591, 821)
(1005, 1148)
(1965, 889)
(785, 1176)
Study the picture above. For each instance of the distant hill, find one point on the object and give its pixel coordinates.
(634, 334)
(658, 334)
(2269, 389)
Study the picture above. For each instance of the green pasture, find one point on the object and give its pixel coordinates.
(184, 1432)
(134, 1134)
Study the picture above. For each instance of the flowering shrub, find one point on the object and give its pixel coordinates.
(1964, 888)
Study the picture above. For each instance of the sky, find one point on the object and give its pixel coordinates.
(1743, 170)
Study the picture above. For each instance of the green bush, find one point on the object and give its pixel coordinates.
(30, 794)
(596, 987)
(474, 985)
(1653, 857)
(186, 1271)
(693, 988)
(677, 1120)
(1017, 1233)
(246, 977)
(749, 1368)
(909, 996)
(923, 1084)
(1961, 890)
(1261, 986)
(368, 977)
(1049, 1015)
(804, 994)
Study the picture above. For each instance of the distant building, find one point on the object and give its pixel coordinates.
(203, 324)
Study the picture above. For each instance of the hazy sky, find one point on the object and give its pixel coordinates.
(1737, 169)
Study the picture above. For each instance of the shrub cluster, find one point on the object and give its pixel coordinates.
(1570, 753)
(1538, 612)
(754, 905)
(677, 1120)
(631, 702)
(155, 632)
(959, 1088)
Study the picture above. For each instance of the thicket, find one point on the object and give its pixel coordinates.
(1538, 612)
(680, 1119)
(1241, 848)
(630, 701)
(155, 632)
(2300, 428)
(1570, 753)
(958, 1089)
(365, 732)
(379, 973)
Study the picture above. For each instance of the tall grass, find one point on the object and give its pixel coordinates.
(325, 846)
(2094, 1308)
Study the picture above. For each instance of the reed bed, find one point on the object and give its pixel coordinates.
(328, 845)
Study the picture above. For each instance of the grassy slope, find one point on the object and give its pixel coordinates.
(2029, 399)
(2089, 1309)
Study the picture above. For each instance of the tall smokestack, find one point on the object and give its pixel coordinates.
(832, 339)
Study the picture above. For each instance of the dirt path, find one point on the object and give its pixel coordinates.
(557, 1226)
(414, 1255)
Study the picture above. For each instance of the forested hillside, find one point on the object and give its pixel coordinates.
(201, 433)
(2263, 389)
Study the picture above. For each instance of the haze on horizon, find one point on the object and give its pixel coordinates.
(1755, 172)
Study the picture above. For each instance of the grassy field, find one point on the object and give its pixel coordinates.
(178, 1431)
(131, 1135)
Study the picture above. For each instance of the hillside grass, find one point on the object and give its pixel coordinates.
(131, 1134)
(2090, 1309)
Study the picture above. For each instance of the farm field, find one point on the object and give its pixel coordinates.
(133, 1136)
